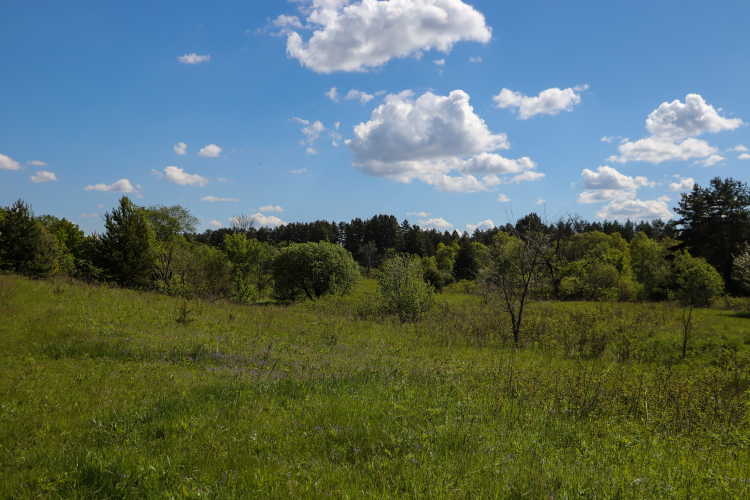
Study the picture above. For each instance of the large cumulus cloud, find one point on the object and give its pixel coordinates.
(356, 36)
(428, 138)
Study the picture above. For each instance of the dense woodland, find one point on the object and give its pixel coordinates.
(158, 247)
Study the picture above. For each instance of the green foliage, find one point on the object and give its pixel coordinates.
(70, 241)
(403, 289)
(432, 275)
(26, 247)
(696, 281)
(742, 268)
(715, 222)
(313, 270)
(125, 250)
(445, 256)
(469, 259)
(166, 222)
(251, 260)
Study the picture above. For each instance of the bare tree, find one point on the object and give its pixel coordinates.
(242, 223)
(370, 257)
(514, 268)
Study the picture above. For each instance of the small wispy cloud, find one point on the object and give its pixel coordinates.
(193, 58)
(121, 186)
(213, 199)
(43, 176)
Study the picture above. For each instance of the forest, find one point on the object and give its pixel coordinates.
(156, 247)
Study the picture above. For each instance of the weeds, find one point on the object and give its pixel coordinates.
(102, 395)
(183, 314)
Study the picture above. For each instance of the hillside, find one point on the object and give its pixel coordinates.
(111, 393)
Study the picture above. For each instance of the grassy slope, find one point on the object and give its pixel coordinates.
(104, 395)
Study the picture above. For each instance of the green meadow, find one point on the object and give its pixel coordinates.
(114, 393)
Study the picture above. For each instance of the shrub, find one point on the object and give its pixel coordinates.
(403, 290)
(313, 270)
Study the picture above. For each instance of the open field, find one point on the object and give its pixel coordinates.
(110, 393)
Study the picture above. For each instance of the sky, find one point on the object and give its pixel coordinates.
(451, 114)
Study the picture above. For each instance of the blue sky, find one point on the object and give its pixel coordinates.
(457, 113)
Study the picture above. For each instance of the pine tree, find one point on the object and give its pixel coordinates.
(125, 249)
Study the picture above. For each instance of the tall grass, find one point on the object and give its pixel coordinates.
(109, 393)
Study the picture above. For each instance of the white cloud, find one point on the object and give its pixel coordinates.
(683, 185)
(333, 94)
(607, 177)
(210, 151)
(179, 176)
(90, 215)
(367, 34)
(213, 223)
(312, 151)
(502, 198)
(301, 171)
(710, 161)
(363, 97)
(744, 156)
(419, 214)
(271, 208)
(654, 150)
(8, 163)
(673, 127)
(270, 221)
(601, 195)
(427, 138)
(439, 62)
(739, 149)
(608, 184)
(674, 121)
(213, 199)
(484, 225)
(608, 139)
(222, 179)
(180, 148)
(548, 102)
(540, 201)
(475, 59)
(43, 176)
(312, 132)
(526, 176)
(193, 58)
(121, 186)
(488, 163)
(100, 206)
(439, 223)
(287, 21)
(635, 210)
(38, 163)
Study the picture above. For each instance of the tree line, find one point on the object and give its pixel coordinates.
(158, 247)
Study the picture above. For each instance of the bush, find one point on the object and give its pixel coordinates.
(403, 290)
(313, 270)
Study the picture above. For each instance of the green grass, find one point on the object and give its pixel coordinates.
(104, 394)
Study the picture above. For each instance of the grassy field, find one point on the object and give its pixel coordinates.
(109, 393)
